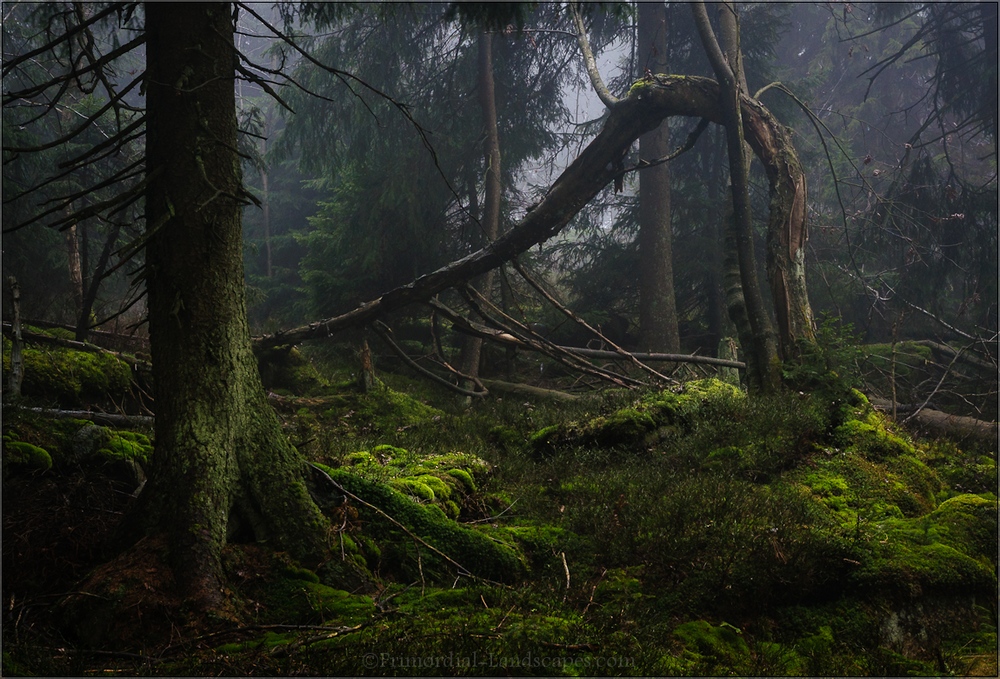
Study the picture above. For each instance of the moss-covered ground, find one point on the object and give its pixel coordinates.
(689, 531)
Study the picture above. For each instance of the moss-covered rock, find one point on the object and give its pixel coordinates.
(963, 470)
(856, 488)
(906, 566)
(415, 488)
(870, 433)
(951, 550)
(19, 456)
(968, 522)
(126, 445)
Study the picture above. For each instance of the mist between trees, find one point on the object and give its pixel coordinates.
(362, 142)
(664, 179)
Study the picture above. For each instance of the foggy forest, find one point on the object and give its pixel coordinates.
(479, 339)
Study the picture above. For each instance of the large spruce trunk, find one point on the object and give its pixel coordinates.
(219, 446)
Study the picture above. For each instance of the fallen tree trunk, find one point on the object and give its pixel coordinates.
(39, 338)
(113, 419)
(142, 343)
(466, 326)
(956, 426)
(528, 390)
(648, 103)
(943, 350)
(938, 423)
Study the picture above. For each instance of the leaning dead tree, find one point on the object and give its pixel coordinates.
(648, 103)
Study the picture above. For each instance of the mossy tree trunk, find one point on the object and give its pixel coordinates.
(219, 447)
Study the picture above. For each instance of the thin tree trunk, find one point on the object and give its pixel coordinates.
(219, 446)
(762, 354)
(75, 270)
(265, 200)
(16, 375)
(716, 245)
(93, 285)
(490, 219)
(657, 305)
(786, 246)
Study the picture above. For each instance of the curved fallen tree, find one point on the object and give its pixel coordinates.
(649, 101)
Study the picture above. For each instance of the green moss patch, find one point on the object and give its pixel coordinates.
(872, 436)
(445, 479)
(642, 424)
(473, 549)
(19, 456)
(71, 377)
(278, 591)
(126, 445)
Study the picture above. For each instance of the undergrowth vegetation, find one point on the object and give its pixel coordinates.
(689, 531)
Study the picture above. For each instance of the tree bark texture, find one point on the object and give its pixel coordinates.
(717, 252)
(657, 304)
(648, 103)
(219, 446)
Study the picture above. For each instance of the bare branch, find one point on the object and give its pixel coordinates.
(381, 330)
(11, 64)
(588, 58)
(10, 97)
(621, 353)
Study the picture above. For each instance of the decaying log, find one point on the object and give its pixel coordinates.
(528, 390)
(113, 419)
(130, 340)
(39, 338)
(938, 423)
(956, 426)
(946, 351)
